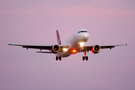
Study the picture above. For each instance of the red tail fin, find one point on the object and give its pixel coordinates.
(58, 38)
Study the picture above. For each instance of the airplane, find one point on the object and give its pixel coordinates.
(75, 44)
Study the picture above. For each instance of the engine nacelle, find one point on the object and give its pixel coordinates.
(55, 48)
(95, 49)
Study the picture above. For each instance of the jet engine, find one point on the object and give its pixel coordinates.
(55, 48)
(95, 49)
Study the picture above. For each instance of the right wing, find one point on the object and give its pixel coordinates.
(41, 47)
(34, 46)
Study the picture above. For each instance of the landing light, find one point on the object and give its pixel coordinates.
(81, 44)
(65, 49)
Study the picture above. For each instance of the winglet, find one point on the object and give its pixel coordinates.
(58, 38)
(10, 44)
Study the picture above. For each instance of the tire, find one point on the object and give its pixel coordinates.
(83, 58)
(86, 58)
(60, 58)
(56, 58)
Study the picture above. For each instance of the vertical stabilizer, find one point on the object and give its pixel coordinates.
(58, 38)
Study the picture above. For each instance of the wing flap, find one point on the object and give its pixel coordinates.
(43, 52)
(47, 47)
(41, 47)
(38, 47)
(112, 46)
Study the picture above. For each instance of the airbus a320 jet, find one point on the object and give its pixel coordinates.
(73, 45)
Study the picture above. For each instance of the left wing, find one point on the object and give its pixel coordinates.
(89, 48)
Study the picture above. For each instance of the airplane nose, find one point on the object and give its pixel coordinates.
(84, 37)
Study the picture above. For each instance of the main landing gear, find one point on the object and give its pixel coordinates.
(85, 57)
(58, 57)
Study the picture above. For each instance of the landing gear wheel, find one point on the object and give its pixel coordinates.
(56, 58)
(60, 58)
(83, 58)
(86, 58)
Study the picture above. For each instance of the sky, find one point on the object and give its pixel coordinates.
(109, 22)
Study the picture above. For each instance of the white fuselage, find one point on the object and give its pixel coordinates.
(81, 36)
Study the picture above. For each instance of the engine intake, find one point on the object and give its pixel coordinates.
(55, 48)
(95, 49)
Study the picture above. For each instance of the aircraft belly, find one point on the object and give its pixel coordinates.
(64, 54)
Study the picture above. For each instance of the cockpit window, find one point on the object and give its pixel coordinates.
(82, 32)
